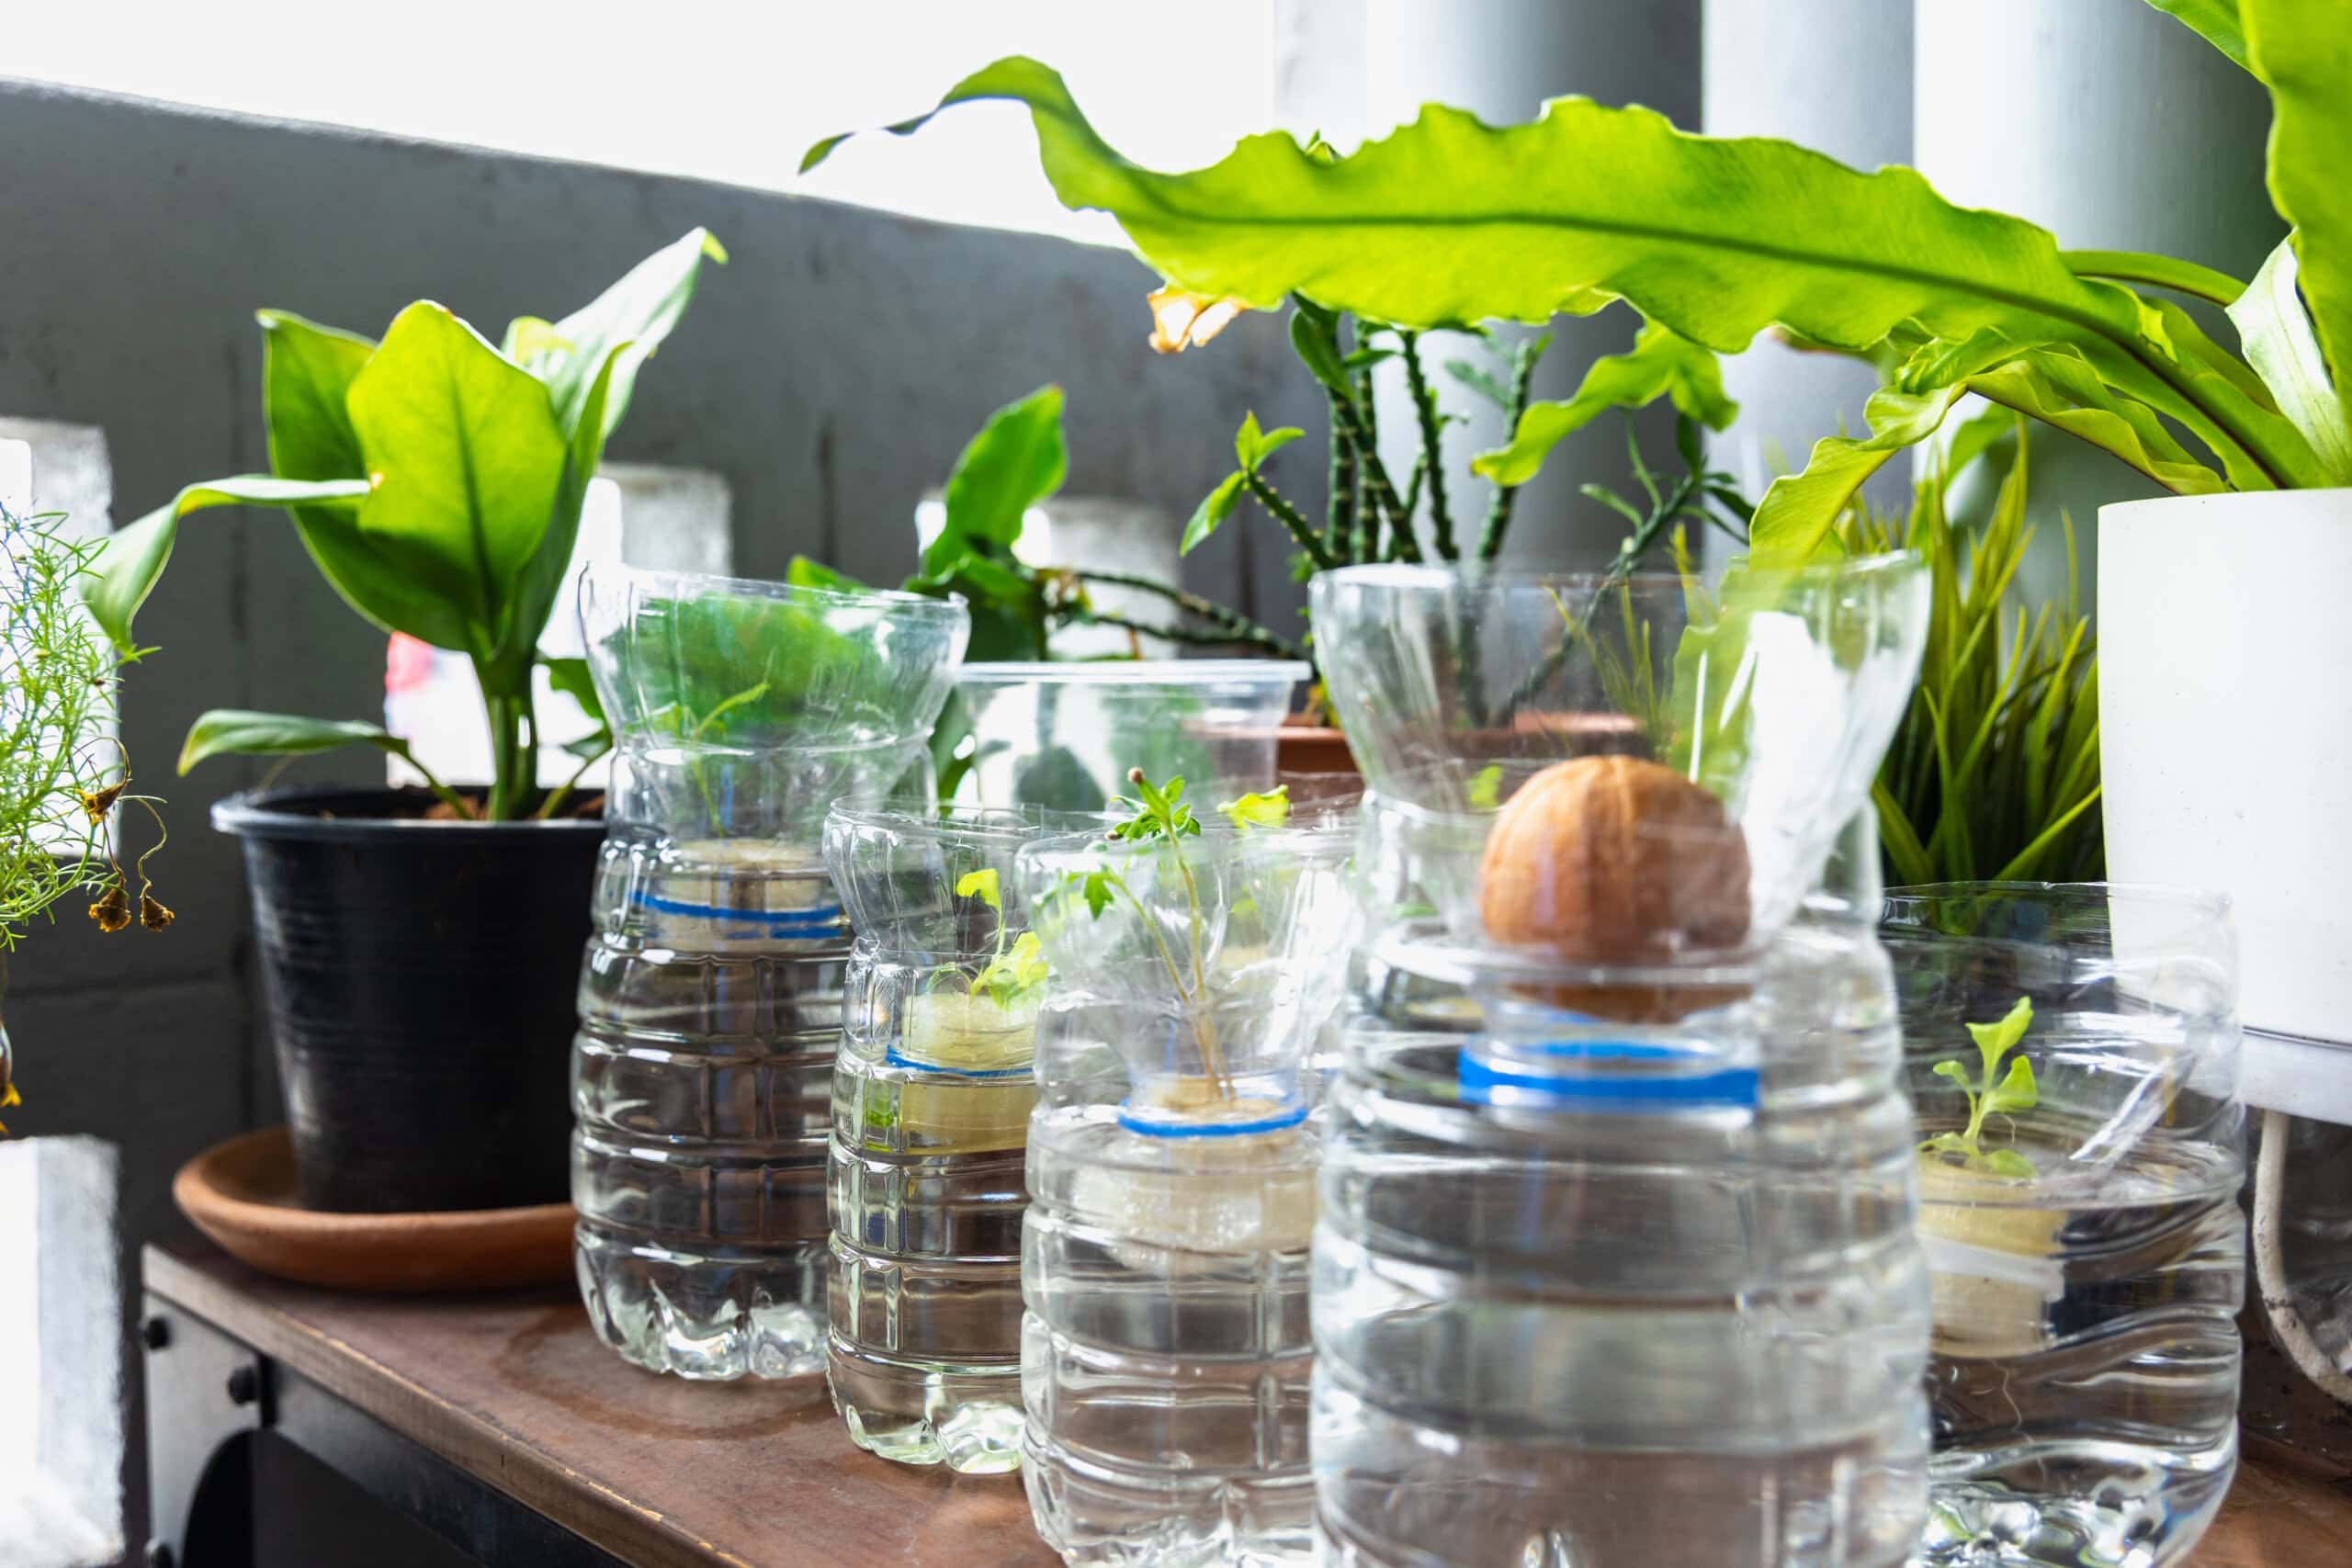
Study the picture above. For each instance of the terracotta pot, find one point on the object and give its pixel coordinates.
(1305, 749)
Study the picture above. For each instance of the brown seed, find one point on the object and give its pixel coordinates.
(1616, 861)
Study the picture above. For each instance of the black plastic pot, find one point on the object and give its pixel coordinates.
(421, 979)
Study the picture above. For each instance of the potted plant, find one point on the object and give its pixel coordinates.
(420, 947)
(64, 776)
(1715, 240)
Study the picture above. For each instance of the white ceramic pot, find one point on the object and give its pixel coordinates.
(2226, 751)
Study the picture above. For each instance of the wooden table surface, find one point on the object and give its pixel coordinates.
(666, 1473)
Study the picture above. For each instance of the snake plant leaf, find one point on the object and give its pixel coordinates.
(1661, 364)
(629, 319)
(2281, 345)
(469, 456)
(2214, 20)
(2303, 50)
(239, 731)
(133, 558)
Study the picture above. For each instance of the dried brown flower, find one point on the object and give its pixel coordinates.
(98, 803)
(152, 914)
(112, 912)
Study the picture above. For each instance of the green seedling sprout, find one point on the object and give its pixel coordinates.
(1010, 976)
(1269, 810)
(1991, 1096)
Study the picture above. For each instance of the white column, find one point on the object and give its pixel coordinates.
(1833, 76)
(2116, 128)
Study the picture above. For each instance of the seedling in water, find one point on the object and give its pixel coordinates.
(1990, 1096)
(1013, 978)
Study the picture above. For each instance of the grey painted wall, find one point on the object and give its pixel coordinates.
(828, 375)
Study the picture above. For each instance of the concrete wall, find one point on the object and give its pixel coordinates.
(828, 375)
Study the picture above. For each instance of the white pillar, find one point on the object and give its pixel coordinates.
(2116, 128)
(1833, 76)
(1353, 71)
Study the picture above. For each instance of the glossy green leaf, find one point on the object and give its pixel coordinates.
(804, 572)
(306, 374)
(1271, 809)
(569, 676)
(2057, 386)
(469, 460)
(1661, 364)
(2279, 340)
(1211, 514)
(531, 600)
(2303, 50)
(1995, 1041)
(2142, 269)
(611, 336)
(1313, 336)
(2215, 21)
(132, 560)
(1017, 460)
(1799, 510)
(237, 731)
(980, 884)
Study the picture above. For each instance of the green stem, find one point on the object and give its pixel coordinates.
(1290, 517)
(1498, 508)
(1363, 434)
(562, 792)
(505, 750)
(1237, 626)
(1433, 454)
(1203, 1032)
(1339, 507)
(1192, 638)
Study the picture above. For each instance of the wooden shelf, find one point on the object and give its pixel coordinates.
(515, 1389)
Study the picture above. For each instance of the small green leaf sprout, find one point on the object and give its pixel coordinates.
(1014, 975)
(1271, 809)
(1991, 1095)
(1159, 812)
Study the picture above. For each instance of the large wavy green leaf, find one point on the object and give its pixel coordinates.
(2302, 49)
(1661, 364)
(2277, 336)
(629, 320)
(1448, 220)
(2215, 21)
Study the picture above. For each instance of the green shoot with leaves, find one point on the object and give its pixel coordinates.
(1013, 977)
(1991, 1093)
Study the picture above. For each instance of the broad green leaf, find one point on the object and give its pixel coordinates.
(306, 373)
(507, 672)
(227, 731)
(1211, 514)
(1449, 222)
(469, 456)
(1661, 364)
(2303, 50)
(569, 676)
(2215, 21)
(2008, 1163)
(1994, 1040)
(980, 884)
(2057, 386)
(623, 325)
(2138, 267)
(1271, 809)
(1313, 336)
(2278, 341)
(1798, 510)
(132, 560)
(1098, 892)
(2015, 1091)
(1016, 460)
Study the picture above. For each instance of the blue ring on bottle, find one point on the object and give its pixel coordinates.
(822, 921)
(1289, 1114)
(893, 1057)
(1632, 1092)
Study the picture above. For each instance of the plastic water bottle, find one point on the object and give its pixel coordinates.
(931, 1096)
(710, 999)
(1166, 1354)
(1609, 1294)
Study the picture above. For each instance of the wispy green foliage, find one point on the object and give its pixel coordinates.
(1995, 771)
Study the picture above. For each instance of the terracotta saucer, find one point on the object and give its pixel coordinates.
(241, 1194)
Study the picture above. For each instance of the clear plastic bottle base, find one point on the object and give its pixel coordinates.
(969, 1420)
(713, 1317)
